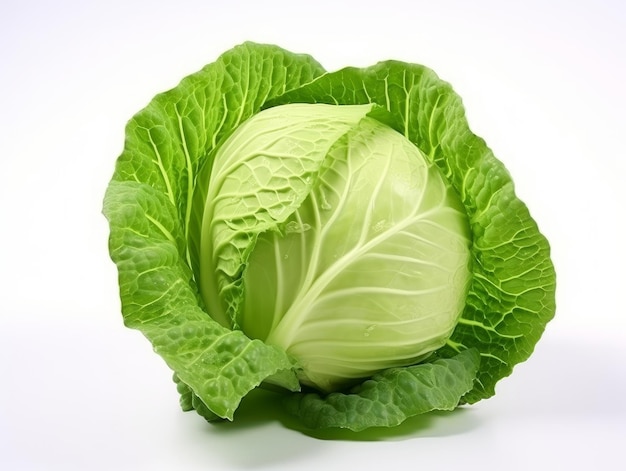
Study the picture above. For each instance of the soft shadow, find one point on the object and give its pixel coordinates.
(264, 435)
(433, 424)
(257, 437)
(261, 407)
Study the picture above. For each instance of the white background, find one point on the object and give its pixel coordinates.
(544, 82)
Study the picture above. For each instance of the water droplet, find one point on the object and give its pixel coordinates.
(379, 226)
(296, 227)
(368, 330)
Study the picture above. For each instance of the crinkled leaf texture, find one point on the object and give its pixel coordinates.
(512, 293)
(392, 396)
(258, 180)
(151, 205)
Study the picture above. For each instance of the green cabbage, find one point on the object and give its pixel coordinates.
(342, 236)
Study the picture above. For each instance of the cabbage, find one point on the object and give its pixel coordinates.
(341, 237)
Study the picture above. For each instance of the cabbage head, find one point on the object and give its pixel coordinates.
(340, 237)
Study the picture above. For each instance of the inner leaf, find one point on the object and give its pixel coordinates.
(370, 272)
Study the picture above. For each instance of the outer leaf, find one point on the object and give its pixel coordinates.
(512, 295)
(219, 365)
(148, 204)
(392, 396)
